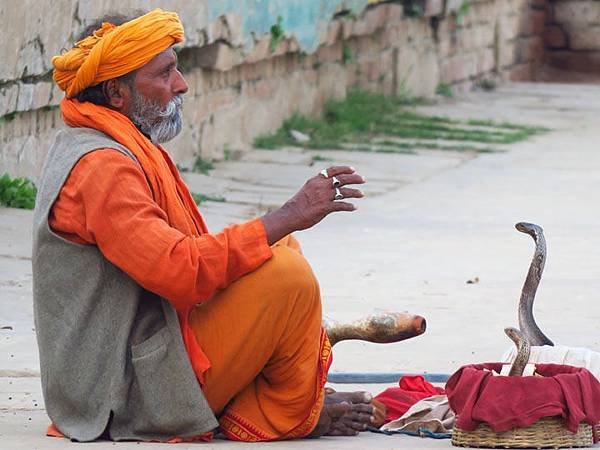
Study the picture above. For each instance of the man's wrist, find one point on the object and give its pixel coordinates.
(278, 224)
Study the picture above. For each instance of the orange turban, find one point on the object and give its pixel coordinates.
(113, 51)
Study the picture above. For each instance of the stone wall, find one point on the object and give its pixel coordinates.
(572, 35)
(239, 90)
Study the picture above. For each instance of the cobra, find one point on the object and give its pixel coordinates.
(523, 351)
(527, 323)
(542, 349)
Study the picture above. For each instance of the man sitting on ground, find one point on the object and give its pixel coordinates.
(150, 327)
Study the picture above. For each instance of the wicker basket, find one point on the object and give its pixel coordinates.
(547, 432)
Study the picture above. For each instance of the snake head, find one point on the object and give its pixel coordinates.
(531, 229)
(514, 334)
(523, 351)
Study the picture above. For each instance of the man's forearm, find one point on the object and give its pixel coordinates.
(277, 225)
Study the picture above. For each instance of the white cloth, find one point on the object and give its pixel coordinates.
(561, 354)
(432, 413)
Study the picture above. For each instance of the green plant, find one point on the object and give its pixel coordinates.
(202, 166)
(226, 153)
(412, 9)
(49, 107)
(444, 90)
(319, 158)
(201, 198)
(360, 119)
(347, 55)
(277, 34)
(461, 12)
(487, 84)
(345, 14)
(17, 192)
(351, 15)
(8, 117)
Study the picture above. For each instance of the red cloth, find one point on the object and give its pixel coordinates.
(411, 390)
(476, 395)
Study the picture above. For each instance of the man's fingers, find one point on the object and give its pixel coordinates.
(342, 206)
(350, 193)
(350, 179)
(334, 171)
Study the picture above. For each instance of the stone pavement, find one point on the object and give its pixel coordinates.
(429, 223)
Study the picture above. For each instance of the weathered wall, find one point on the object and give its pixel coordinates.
(240, 87)
(572, 35)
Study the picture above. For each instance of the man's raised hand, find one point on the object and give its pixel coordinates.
(320, 196)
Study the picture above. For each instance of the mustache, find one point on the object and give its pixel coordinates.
(173, 107)
(160, 123)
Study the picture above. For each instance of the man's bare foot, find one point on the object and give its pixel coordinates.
(344, 414)
(359, 416)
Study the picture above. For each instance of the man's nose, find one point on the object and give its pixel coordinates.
(180, 86)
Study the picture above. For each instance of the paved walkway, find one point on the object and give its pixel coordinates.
(429, 223)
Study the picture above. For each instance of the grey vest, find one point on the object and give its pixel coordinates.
(112, 357)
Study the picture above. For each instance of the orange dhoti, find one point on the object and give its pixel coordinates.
(269, 355)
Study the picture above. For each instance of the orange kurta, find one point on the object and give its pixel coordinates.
(106, 202)
(267, 355)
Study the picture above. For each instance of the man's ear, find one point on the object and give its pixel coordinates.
(118, 94)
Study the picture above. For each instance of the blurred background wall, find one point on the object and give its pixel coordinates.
(251, 64)
(572, 35)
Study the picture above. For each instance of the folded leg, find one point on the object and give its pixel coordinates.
(269, 355)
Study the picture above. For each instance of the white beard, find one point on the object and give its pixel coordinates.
(161, 124)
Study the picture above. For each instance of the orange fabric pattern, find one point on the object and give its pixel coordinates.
(113, 51)
(236, 426)
(270, 356)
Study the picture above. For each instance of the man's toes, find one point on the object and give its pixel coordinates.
(338, 410)
(341, 429)
(331, 415)
(366, 418)
(355, 424)
(359, 397)
(359, 419)
(363, 408)
(359, 425)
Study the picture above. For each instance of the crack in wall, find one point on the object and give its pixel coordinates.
(28, 79)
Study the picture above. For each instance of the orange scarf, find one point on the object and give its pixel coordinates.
(168, 189)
